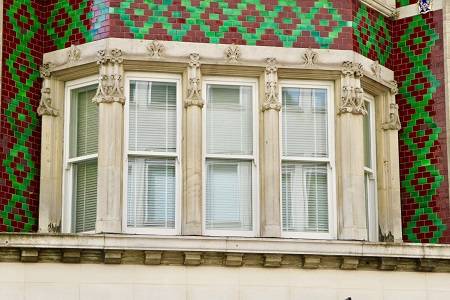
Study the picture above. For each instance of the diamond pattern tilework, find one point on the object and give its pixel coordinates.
(422, 142)
(372, 33)
(19, 154)
(319, 23)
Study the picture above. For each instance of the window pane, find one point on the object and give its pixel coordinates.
(229, 195)
(367, 137)
(83, 122)
(229, 119)
(151, 193)
(304, 197)
(84, 210)
(152, 116)
(305, 122)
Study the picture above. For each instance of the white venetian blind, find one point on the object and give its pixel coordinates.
(229, 120)
(83, 144)
(305, 197)
(229, 140)
(152, 116)
(304, 181)
(228, 191)
(151, 184)
(83, 122)
(304, 115)
(85, 196)
(151, 192)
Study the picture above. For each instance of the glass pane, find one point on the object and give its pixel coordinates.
(151, 193)
(153, 116)
(83, 122)
(304, 197)
(84, 196)
(229, 195)
(367, 136)
(229, 119)
(305, 122)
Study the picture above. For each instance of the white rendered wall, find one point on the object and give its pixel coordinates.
(98, 281)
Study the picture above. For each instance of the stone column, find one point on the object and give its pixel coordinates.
(352, 211)
(192, 208)
(110, 99)
(271, 165)
(389, 206)
(50, 202)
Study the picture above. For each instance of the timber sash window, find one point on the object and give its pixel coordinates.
(306, 181)
(370, 185)
(81, 158)
(230, 158)
(153, 161)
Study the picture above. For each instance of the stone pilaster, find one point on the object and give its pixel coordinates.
(271, 168)
(192, 218)
(50, 204)
(110, 99)
(352, 211)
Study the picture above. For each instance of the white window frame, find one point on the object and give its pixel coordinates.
(67, 188)
(331, 173)
(372, 216)
(161, 77)
(238, 81)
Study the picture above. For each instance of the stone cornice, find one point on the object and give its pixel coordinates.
(380, 6)
(215, 54)
(190, 250)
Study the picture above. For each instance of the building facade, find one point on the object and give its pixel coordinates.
(224, 149)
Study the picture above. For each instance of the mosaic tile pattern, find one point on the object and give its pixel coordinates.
(318, 24)
(372, 33)
(75, 22)
(422, 139)
(20, 131)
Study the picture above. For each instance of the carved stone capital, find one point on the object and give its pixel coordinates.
(233, 54)
(394, 119)
(110, 86)
(352, 95)
(194, 97)
(395, 14)
(394, 87)
(310, 57)
(45, 105)
(271, 99)
(156, 49)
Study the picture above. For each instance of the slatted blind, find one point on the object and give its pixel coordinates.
(83, 122)
(152, 116)
(228, 193)
(85, 196)
(83, 141)
(304, 184)
(304, 117)
(305, 194)
(229, 120)
(229, 132)
(151, 188)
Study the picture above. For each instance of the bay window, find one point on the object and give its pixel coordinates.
(230, 157)
(307, 160)
(152, 146)
(81, 157)
(370, 186)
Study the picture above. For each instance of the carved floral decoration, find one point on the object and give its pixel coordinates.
(45, 105)
(110, 88)
(310, 57)
(352, 93)
(233, 54)
(156, 49)
(271, 99)
(194, 87)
